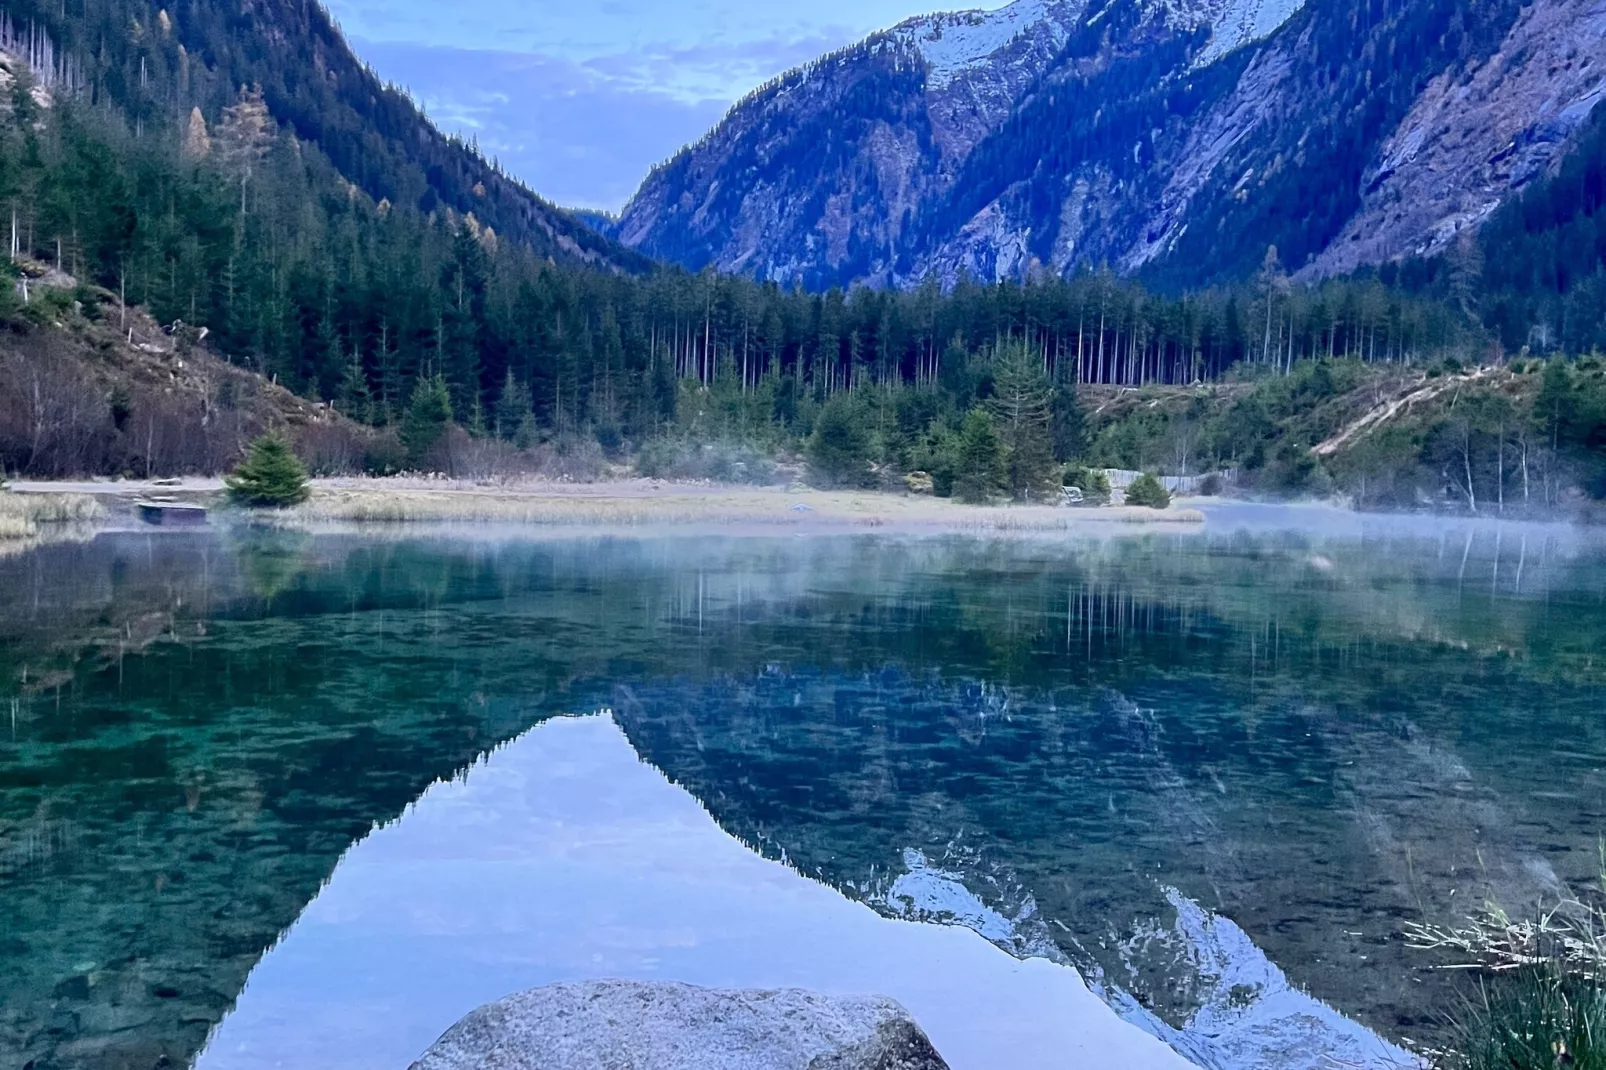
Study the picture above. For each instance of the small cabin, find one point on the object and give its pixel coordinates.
(172, 514)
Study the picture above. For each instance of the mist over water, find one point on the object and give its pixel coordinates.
(1121, 752)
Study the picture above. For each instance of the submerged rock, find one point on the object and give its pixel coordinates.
(627, 1025)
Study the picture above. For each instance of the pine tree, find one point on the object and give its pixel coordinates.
(839, 449)
(429, 413)
(353, 398)
(271, 476)
(1069, 424)
(476, 419)
(245, 134)
(1022, 409)
(979, 466)
(1147, 491)
(463, 283)
(513, 413)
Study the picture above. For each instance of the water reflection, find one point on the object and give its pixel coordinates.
(1267, 722)
(563, 857)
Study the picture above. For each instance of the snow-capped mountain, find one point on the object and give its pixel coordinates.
(1232, 23)
(965, 42)
(1178, 138)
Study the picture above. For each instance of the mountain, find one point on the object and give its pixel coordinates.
(156, 63)
(817, 175)
(599, 221)
(1175, 139)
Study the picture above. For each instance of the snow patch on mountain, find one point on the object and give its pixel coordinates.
(955, 43)
(1233, 23)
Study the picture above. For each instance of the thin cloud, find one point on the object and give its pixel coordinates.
(570, 132)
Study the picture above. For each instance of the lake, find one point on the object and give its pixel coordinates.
(1216, 771)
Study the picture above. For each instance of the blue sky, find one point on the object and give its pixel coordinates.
(580, 99)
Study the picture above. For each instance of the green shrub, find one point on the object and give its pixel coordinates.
(1147, 491)
(47, 306)
(1211, 485)
(270, 476)
(10, 300)
(936, 452)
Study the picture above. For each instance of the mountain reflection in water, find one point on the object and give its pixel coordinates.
(1077, 743)
(562, 857)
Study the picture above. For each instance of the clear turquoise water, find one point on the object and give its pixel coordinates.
(1318, 735)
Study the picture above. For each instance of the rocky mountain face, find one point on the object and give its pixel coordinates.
(1176, 139)
(819, 175)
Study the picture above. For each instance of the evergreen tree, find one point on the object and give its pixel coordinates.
(429, 413)
(1022, 410)
(514, 416)
(1068, 428)
(353, 398)
(476, 419)
(839, 449)
(464, 283)
(979, 472)
(1147, 491)
(665, 393)
(270, 476)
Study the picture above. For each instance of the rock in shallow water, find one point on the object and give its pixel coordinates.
(626, 1025)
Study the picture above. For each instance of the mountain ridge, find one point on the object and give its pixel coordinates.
(1051, 136)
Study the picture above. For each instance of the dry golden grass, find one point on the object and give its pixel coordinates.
(22, 515)
(635, 507)
(1571, 937)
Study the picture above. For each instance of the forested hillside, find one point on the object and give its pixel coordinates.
(1538, 270)
(152, 60)
(445, 343)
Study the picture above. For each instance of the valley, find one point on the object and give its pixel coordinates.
(1109, 486)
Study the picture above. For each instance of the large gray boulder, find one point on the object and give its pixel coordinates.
(626, 1025)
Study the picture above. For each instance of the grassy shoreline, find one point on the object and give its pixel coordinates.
(637, 505)
(633, 504)
(30, 520)
(24, 516)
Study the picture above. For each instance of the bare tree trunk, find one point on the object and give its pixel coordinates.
(1500, 468)
(1524, 442)
(38, 422)
(1466, 465)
